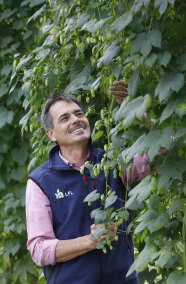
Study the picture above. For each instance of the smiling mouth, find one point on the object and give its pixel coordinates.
(77, 130)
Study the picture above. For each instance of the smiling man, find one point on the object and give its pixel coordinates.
(60, 230)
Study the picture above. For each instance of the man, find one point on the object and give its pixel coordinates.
(60, 230)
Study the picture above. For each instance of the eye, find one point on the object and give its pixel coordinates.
(63, 119)
(80, 114)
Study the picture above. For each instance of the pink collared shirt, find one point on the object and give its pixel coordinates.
(41, 238)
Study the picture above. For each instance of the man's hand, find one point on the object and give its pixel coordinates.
(110, 228)
(118, 91)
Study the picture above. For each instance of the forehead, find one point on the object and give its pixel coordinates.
(62, 107)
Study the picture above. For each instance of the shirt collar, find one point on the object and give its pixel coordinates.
(73, 165)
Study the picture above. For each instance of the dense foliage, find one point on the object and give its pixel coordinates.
(81, 47)
(16, 38)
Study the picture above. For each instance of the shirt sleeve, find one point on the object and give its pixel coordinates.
(41, 239)
(137, 171)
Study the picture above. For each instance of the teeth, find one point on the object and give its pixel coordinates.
(77, 130)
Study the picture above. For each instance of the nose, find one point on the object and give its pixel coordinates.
(74, 118)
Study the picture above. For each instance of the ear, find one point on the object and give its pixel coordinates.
(51, 134)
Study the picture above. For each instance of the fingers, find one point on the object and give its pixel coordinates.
(111, 226)
(109, 233)
(118, 91)
(117, 83)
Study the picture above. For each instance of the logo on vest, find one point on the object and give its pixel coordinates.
(60, 194)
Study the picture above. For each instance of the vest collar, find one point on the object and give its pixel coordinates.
(55, 162)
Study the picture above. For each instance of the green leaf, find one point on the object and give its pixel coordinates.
(11, 248)
(159, 222)
(34, 3)
(25, 88)
(83, 18)
(97, 135)
(145, 220)
(93, 196)
(181, 108)
(46, 27)
(19, 155)
(137, 147)
(27, 34)
(99, 215)
(133, 83)
(42, 54)
(116, 69)
(154, 37)
(162, 5)
(181, 62)
(147, 255)
(148, 276)
(32, 164)
(118, 141)
(98, 232)
(7, 13)
(95, 84)
(52, 81)
(3, 90)
(151, 60)
(180, 132)
(169, 109)
(5, 116)
(176, 205)
(129, 228)
(174, 171)
(139, 3)
(25, 2)
(164, 58)
(176, 277)
(100, 245)
(133, 109)
(22, 267)
(70, 23)
(154, 201)
(110, 199)
(122, 22)
(158, 138)
(93, 25)
(168, 83)
(139, 193)
(6, 70)
(124, 214)
(145, 41)
(166, 256)
(110, 51)
(23, 61)
(2, 184)
(17, 174)
(36, 14)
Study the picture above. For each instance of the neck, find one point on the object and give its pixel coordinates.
(76, 154)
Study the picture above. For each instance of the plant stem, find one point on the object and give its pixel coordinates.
(109, 116)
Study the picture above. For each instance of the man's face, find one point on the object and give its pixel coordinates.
(71, 127)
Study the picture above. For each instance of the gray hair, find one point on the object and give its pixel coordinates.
(46, 118)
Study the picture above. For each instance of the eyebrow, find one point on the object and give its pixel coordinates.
(66, 113)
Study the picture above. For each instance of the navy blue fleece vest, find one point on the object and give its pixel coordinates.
(66, 190)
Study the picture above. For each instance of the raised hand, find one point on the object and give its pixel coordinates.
(119, 91)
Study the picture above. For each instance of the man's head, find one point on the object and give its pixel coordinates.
(64, 120)
(46, 118)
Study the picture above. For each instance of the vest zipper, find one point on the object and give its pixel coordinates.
(98, 251)
(129, 247)
(87, 192)
(100, 266)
